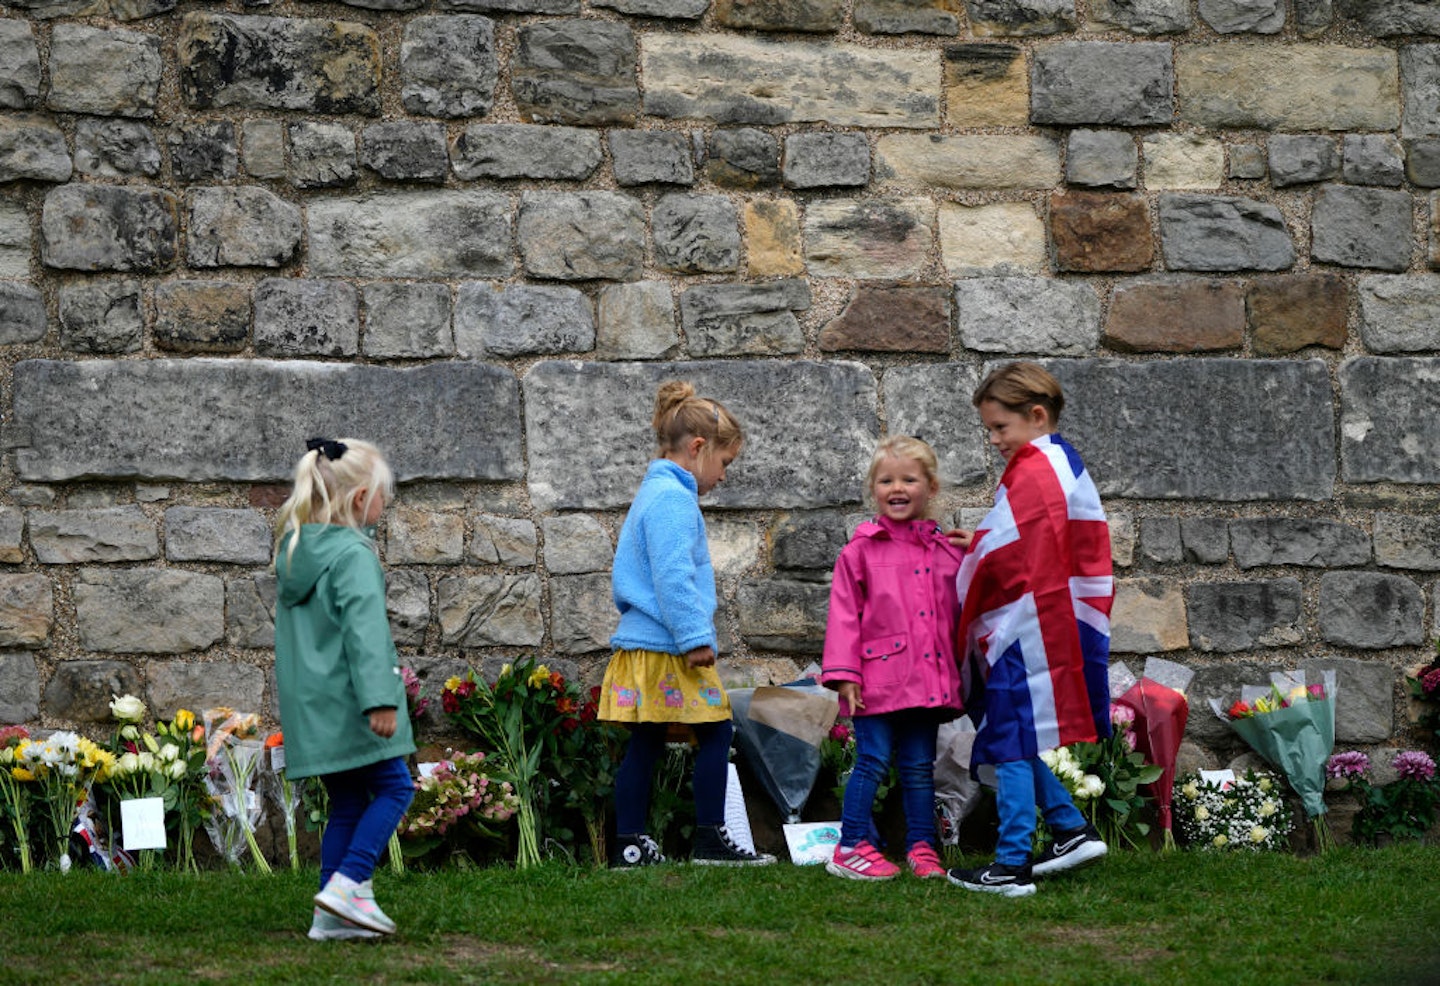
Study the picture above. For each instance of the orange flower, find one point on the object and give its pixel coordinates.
(274, 740)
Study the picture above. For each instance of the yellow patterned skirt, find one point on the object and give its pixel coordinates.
(647, 686)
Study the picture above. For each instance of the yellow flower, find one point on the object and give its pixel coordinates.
(1297, 694)
(452, 683)
(184, 720)
(21, 774)
(538, 677)
(1201, 813)
(1259, 833)
(1265, 784)
(1267, 809)
(1219, 840)
(1191, 790)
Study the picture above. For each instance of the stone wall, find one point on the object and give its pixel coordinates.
(480, 232)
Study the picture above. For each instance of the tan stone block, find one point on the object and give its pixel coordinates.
(420, 537)
(1288, 87)
(896, 318)
(986, 85)
(1098, 231)
(772, 238)
(1183, 161)
(877, 239)
(1122, 539)
(990, 162)
(1004, 237)
(1148, 617)
(1293, 311)
(1176, 314)
(27, 607)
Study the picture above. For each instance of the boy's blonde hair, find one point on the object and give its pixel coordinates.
(904, 447)
(680, 414)
(1019, 387)
(325, 481)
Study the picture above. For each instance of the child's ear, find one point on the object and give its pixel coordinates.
(1040, 417)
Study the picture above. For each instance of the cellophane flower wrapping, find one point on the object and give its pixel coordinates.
(1161, 711)
(1292, 726)
(285, 792)
(234, 757)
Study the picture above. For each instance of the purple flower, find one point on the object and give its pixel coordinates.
(1430, 684)
(1347, 765)
(1415, 765)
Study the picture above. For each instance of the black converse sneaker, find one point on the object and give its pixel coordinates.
(715, 847)
(635, 851)
(997, 878)
(1071, 848)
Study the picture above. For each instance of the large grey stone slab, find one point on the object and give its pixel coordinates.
(1223, 233)
(1102, 83)
(490, 611)
(106, 227)
(32, 147)
(1364, 696)
(240, 227)
(105, 534)
(27, 610)
(1400, 313)
(104, 71)
(519, 319)
(1236, 616)
(805, 543)
(411, 234)
(19, 688)
(233, 536)
(1027, 315)
(82, 691)
(252, 418)
(204, 685)
(1362, 227)
(1307, 541)
(148, 611)
(741, 80)
(933, 401)
(744, 319)
(577, 236)
(577, 70)
(278, 63)
(809, 427)
(1387, 406)
(449, 65)
(1221, 448)
(1371, 610)
(526, 150)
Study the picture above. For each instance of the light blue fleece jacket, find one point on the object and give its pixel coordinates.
(662, 580)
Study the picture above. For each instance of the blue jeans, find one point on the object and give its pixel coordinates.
(908, 736)
(636, 774)
(366, 805)
(1020, 786)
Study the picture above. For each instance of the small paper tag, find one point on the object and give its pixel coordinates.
(427, 767)
(142, 820)
(1223, 779)
(812, 842)
(277, 758)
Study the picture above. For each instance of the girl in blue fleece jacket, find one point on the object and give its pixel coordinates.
(663, 668)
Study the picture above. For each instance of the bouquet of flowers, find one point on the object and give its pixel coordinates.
(1402, 809)
(1424, 689)
(457, 797)
(591, 753)
(1291, 725)
(62, 767)
(285, 792)
(1243, 813)
(233, 757)
(1105, 778)
(15, 791)
(1161, 710)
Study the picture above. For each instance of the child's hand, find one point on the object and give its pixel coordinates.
(382, 722)
(700, 657)
(960, 538)
(850, 692)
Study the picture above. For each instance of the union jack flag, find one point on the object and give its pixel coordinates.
(1035, 591)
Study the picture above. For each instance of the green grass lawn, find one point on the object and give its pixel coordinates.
(1351, 917)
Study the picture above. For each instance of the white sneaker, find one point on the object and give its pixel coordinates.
(325, 926)
(355, 902)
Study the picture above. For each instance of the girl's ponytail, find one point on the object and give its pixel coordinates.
(324, 484)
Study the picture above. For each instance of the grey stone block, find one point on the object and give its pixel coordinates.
(322, 155)
(1387, 405)
(577, 236)
(250, 611)
(204, 151)
(579, 71)
(689, 10)
(233, 536)
(1370, 610)
(407, 603)
(1420, 90)
(1205, 539)
(101, 317)
(1364, 697)
(1312, 17)
(516, 7)
(826, 160)
(1311, 542)
(106, 534)
(32, 147)
(1223, 233)
(640, 157)
(19, 688)
(933, 402)
(696, 234)
(1400, 313)
(582, 613)
(1374, 159)
(27, 610)
(202, 316)
(449, 65)
(809, 430)
(1235, 616)
(1247, 161)
(19, 65)
(12, 533)
(805, 543)
(1422, 162)
(178, 685)
(783, 615)
(103, 227)
(1100, 159)
(299, 317)
(411, 234)
(738, 319)
(1244, 16)
(523, 150)
(508, 541)
(81, 691)
(636, 321)
(423, 537)
(1027, 315)
(576, 544)
(1102, 83)
(104, 71)
(907, 17)
(1362, 227)
(1296, 159)
(407, 320)
(263, 148)
(278, 63)
(240, 227)
(22, 314)
(490, 611)
(115, 148)
(15, 236)
(1407, 541)
(1220, 449)
(1160, 540)
(520, 319)
(148, 611)
(253, 417)
(406, 151)
(1143, 16)
(743, 157)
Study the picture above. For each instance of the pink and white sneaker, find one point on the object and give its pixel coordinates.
(862, 862)
(924, 862)
(355, 902)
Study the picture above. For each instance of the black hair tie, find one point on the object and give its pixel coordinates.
(329, 448)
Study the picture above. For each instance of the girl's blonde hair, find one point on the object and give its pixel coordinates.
(904, 447)
(325, 481)
(680, 414)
